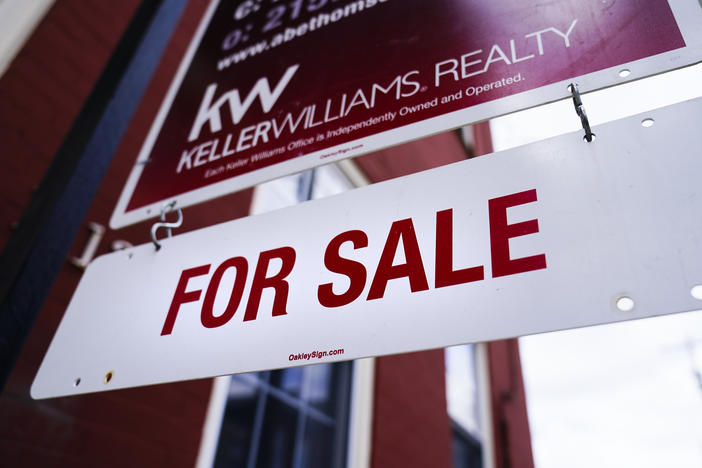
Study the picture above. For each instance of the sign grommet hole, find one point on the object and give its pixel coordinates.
(625, 304)
(696, 292)
(623, 73)
(647, 122)
(76, 382)
(108, 377)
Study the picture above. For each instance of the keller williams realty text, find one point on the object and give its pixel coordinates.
(539, 44)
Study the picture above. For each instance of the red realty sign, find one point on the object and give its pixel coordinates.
(270, 88)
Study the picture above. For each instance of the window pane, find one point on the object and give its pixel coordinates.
(329, 180)
(466, 450)
(318, 445)
(278, 435)
(239, 415)
(462, 388)
(275, 194)
(288, 380)
(321, 394)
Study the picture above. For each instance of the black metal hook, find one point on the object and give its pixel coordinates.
(580, 110)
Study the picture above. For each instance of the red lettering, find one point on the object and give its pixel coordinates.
(413, 269)
(445, 275)
(182, 296)
(335, 263)
(207, 316)
(277, 282)
(501, 233)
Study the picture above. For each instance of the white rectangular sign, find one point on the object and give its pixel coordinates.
(544, 237)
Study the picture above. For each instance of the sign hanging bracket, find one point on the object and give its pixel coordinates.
(165, 224)
(580, 110)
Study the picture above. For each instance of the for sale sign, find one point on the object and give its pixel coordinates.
(558, 234)
(272, 87)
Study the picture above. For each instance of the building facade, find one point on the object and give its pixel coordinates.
(445, 408)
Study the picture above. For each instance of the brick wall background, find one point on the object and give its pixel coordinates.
(40, 96)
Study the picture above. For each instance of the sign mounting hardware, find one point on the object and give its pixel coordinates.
(169, 226)
(580, 110)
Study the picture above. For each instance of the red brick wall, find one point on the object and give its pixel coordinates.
(510, 423)
(509, 413)
(40, 96)
(44, 88)
(411, 427)
(416, 156)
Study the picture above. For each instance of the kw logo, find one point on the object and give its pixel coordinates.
(210, 113)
